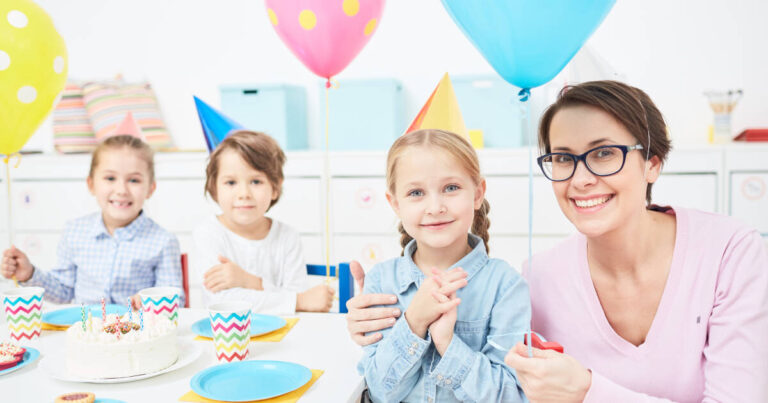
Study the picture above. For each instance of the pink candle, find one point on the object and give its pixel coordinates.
(103, 311)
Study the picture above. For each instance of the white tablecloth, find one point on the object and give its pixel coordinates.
(317, 341)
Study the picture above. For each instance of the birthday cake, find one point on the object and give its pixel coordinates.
(119, 347)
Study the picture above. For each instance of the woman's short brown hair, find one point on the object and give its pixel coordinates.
(260, 151)
(630, 106)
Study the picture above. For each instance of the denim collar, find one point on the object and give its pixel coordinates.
(408, 273)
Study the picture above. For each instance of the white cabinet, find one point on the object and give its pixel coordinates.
(179, 205)
(698, 191)
(749, 198)
(46, 205)
(508, 197)
(301, 205)
(360, 206)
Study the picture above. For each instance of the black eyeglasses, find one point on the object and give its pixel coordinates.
(601, 161)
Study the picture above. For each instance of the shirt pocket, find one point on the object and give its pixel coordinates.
(473, 332)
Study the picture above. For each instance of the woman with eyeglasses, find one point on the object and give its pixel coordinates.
(650, 303)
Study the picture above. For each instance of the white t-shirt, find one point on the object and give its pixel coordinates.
(277, 259)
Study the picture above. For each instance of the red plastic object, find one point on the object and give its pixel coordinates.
(752, 135)
(543, 345)
(13, 363)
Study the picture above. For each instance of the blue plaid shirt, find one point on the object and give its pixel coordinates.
(92, 264)
(495, 309)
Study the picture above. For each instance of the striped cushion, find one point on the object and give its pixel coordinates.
(72, 131)
(107, 102)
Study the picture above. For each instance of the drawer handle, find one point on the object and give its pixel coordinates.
(250, 92)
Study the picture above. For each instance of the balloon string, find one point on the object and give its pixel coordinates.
(7, 161)
(525, 112)
(326, 166)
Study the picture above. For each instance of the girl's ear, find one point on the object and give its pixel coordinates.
(89, 181)
(152, 188)
(480, 193)
(393, 203)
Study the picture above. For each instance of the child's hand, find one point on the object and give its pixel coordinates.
(441, 330)
(136, 302)
(16, 263)
(315, 299)
(229, 275)
(424, 309)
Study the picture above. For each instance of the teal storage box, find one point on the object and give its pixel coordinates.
(276, 109)
(490, 104)
(364, 114)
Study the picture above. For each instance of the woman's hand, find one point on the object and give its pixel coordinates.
(549, 375)
(229, 275)
(361, 318)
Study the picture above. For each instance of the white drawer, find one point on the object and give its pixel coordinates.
(48, 205)
(514, 249)
(3, 207)
(301, 205)
(508, 197)
(178, 205)
(749, 199)
(313, 248)
(360, 206)
(698, 191)
(366, 249)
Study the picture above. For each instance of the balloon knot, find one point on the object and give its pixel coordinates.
(524, 94)
(328, 83)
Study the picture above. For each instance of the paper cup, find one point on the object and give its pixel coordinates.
(231, 324)
(23, 312)
(162, 301)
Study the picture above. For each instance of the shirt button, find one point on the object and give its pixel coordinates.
(439, 377)
(429, 399)
(411, 352)
(414, 344)
(447, 381)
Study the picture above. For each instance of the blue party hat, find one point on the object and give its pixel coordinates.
(216, 125)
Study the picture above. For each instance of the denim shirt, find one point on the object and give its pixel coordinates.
(495, 307)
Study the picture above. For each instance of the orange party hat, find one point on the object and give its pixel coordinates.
(441, 111)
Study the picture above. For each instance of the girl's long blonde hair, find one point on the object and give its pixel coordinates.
(456, 146)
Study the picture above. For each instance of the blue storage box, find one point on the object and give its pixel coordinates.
(275, 109)
(490, 104)
(364, 114)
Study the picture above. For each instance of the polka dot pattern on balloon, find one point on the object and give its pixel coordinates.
(27, 94)
(5, 60)
(58, 64)
(370, 26)
(272, 16)
(17, 19)
(307, 19)
(351, 7)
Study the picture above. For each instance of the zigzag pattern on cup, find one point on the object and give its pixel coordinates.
(13, 310)
(230, 358)
(220, 317)
(18, 300)
(163, 305)
(29, 336)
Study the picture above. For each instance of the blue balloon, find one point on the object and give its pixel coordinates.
(528, 41)
(216, 125)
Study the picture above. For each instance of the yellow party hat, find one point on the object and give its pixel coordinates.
(441, 111)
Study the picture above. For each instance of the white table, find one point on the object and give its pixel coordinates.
(317, 341)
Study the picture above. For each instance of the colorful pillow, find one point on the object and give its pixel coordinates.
(72, 130)
(107, 103)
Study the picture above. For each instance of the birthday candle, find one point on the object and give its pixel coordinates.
(90, 321)
(103, 311)
(130, 311)
(83, 314)
(141, 319)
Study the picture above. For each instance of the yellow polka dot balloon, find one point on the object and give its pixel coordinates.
(33, 71)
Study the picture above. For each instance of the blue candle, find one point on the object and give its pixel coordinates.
(141, 318)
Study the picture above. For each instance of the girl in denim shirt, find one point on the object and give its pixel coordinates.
(456, 299)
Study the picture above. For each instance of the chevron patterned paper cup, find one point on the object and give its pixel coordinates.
(23, 311)
(161, 301)
(231, 324)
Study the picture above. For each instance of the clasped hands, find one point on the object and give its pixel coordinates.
(435, 305)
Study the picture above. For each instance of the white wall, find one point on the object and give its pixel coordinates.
(673, 49)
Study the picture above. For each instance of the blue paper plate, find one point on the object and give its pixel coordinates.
(69, 316)
(260, 324)
(107, 400)
(29, 356)
(249, 380)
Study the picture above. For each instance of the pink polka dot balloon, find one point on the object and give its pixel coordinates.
(325, 34)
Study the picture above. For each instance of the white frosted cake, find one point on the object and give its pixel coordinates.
(100, 352)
